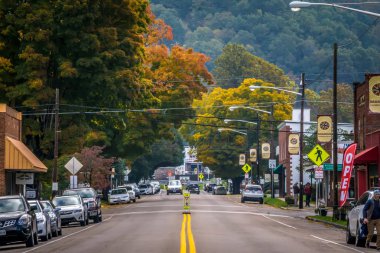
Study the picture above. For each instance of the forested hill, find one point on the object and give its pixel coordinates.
(295, 41)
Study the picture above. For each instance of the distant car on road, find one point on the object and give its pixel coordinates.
(174, 186)
(131, 192)
(210, 187)
(354, 217)
(146, 189)
(252, 193)
(219, 190)
(119, 195)
(18, 221)
(193, 188)
(91, 198)
(43, 221)
(73, 209)
(136, 190)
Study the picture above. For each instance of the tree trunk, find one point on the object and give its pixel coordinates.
(236, 181)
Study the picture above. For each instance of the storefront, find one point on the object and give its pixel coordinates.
(18, 165)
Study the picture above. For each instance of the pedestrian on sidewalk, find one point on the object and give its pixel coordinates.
(296, 192)
(307, 190)
(371, 215)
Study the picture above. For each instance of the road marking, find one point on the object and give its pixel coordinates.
(66, 236)
(186, 224)
(335, 243)
(190, 235)
(279, 222)
(183, 235)
(193, 205)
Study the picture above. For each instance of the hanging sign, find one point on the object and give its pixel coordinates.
(348, 162)
(241, 159)
(374, 94)
(324, 130)
(265, 150)
(294, 144)
(253, 155)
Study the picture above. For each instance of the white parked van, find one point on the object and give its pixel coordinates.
(174, 186)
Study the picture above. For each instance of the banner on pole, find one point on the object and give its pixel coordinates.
(294, 144)
(324, 130)
(265, 150)
(348, 162)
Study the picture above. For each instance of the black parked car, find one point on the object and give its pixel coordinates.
(193, 188)
(91, 198)
(210, 187)
(18, 222)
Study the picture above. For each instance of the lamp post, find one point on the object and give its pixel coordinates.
(285, 89)
(232, 108)
(296, 6)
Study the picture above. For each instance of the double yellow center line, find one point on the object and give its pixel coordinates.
(186, 224)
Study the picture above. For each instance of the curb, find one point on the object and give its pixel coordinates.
(326, 222)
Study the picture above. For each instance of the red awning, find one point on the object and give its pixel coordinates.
(369, 155)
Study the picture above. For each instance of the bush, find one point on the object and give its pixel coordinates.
(289, 200)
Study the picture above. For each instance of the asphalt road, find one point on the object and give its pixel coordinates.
(216, 224)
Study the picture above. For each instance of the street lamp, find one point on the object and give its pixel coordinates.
(285, 89)
(232, 130)
(297, 5)
(234, 107)
(239, 120)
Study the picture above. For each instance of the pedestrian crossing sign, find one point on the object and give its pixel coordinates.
(318, 155)
(246, 168)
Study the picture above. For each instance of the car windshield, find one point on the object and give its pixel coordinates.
(11, 205)
(174, 183)
(253, 188)
(84, 193)
(46, 205)
(38, 208)
(66, 201)
(143, 186)
(118, 191)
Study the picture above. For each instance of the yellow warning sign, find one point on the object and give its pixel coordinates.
(186, 202)
(201, 176)
(318, 155)
(246, 168)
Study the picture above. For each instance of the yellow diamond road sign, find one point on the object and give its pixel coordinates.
(318, 155)
(201, 176)
(246, 168)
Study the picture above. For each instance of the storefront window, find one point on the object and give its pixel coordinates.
(373, 176)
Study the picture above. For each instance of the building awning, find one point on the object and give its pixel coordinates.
(279, 168)
(19, 158)
(369, 155)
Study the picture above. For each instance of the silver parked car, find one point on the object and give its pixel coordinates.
(55, 217)
(354, 218)
(252, 193)
(73, 209)
(43, 220)
(219, 190)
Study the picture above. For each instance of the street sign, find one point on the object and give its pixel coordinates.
(73, 166)
(272, 163)
(241, 159)
(319, 172)
(318, 155)
(246, 168)
(201, 176)
(186, 202)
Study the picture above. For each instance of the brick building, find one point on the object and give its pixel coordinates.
(367, 133)
(17, 163)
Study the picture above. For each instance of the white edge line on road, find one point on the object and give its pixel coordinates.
(66, 236)
(279, 222)
(335, 243)
(226, 206)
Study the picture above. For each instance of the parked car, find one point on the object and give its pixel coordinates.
(92, 199)
(252, 193)
(193, 188)
(55, 217)
(119, 195)
(219, 190)
(18, 222)
(156, 186)
(136, 190)
(354, 217)
(132, 195)
(73, 209)
(174, 186)
(146, 189)
(210, 187)
(43, 221)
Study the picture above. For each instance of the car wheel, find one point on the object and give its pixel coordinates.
(83, 223)
(36, 238)
(87, 220)
(359, 241)
(261, 201)
(101, 217)
(46, 236)
(242, 200)
(30, 241)
(167, 193)
(139, 196)
(349, 238)
(55, 233)
(96, 219)
(134, 201)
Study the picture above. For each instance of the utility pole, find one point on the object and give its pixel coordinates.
(258, 148)
(335, 129)
(301, 140)
(56, 121)
(272, 150)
